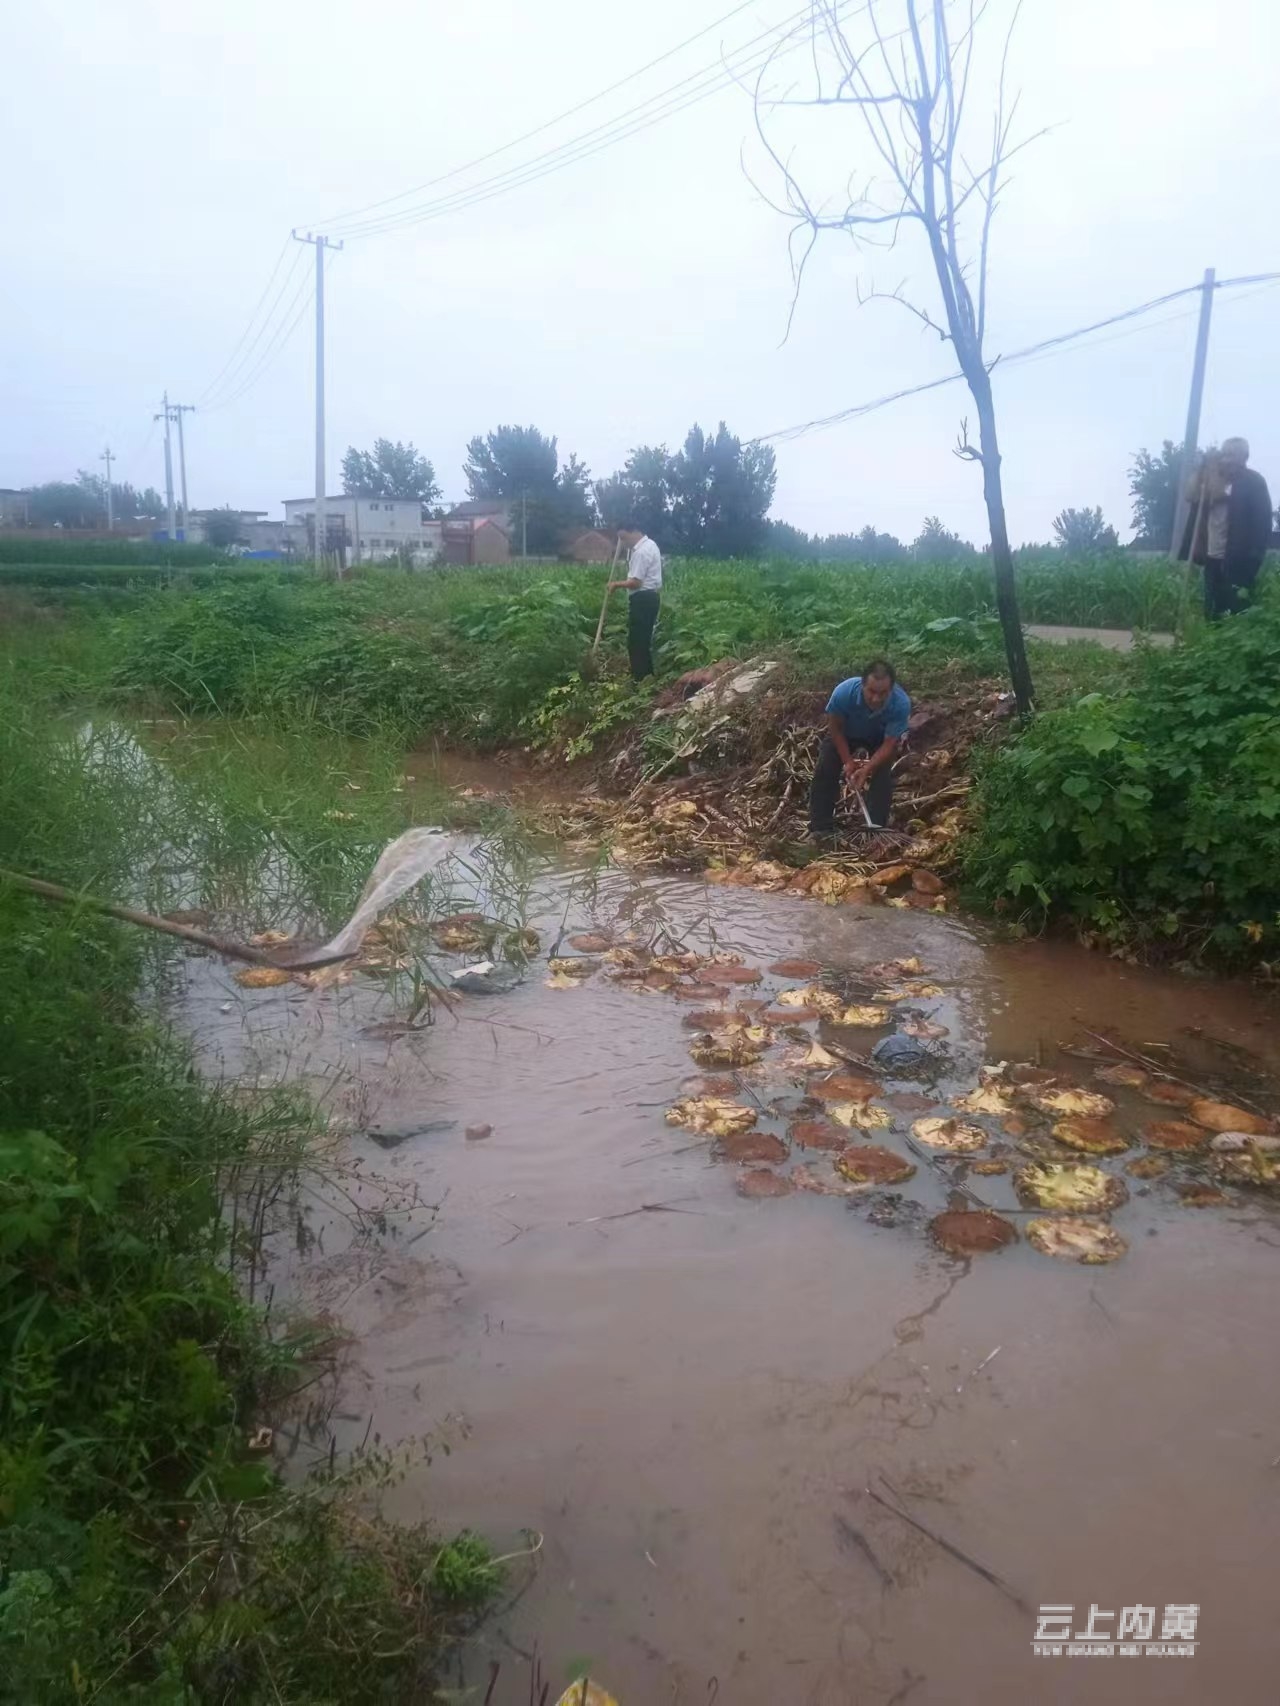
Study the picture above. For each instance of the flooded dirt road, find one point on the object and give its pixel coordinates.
(687, 1394)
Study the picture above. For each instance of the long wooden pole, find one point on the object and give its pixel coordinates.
(595, 644)
(279, 960)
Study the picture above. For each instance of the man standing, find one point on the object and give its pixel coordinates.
(866, 722)
(644, 583)
(1230, 518)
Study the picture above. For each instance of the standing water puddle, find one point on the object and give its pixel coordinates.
(686, 1393)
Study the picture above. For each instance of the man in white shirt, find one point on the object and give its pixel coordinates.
(644, 583)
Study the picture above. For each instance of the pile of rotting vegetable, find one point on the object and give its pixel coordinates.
(720, 781)
(1021, 1151)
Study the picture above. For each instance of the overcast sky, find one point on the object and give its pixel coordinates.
(157, 156)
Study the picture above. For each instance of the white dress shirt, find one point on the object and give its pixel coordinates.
(645, 565)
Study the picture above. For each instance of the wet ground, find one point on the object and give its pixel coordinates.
(686, 1394)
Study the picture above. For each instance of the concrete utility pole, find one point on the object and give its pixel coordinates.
(1192, 433)
(524, 525)
(109, 459)
(321, 244)
(168, 465)
(180, 409)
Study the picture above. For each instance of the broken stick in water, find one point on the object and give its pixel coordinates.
(847, 1533)
(955, 1551)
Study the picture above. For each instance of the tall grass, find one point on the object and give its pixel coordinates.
(473, 655)
(145, 1553)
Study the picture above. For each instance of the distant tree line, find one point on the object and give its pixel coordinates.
(82, 502)
(709, 498)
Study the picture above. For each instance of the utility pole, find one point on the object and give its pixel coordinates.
(109, 459)
(168, 464)
(320, 243)
(180, 409)
(1192, 433)
(524, 525)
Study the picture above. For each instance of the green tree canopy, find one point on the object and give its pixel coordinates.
(789, 541)
(1083, 530)
(547, 503)
(389, 471)
(222, 527)
(937, 544)
(83, 502)
(1153, 485)
(710, 499)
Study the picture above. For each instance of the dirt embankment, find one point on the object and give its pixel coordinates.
(719, 779)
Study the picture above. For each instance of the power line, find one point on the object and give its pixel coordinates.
(539, 129)
(687, 92)
(235, 371)
(213, 384)
(1045, 346)
(237, 375)
(279, 342)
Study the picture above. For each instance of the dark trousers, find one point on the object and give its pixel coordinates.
(642, 614)
(826, 791)
(1226, 590)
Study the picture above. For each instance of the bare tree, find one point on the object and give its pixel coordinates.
(909, 87)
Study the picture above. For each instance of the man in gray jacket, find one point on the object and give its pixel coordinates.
(1228, 527)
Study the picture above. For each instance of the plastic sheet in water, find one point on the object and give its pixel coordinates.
(402, 863)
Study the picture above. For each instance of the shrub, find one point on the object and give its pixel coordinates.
(1154, 817)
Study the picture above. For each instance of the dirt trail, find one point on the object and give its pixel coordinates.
(687, 1400)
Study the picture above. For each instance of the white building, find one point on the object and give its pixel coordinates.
(370, 530)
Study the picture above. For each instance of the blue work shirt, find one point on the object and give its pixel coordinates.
(862, 725)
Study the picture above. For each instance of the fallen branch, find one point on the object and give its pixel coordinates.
(1159, 1071)
(962, 1557)
(855, 1537)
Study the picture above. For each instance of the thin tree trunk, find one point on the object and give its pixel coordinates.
(1001, 554)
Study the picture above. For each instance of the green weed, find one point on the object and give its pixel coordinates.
(1151, 816)
(145, 1553)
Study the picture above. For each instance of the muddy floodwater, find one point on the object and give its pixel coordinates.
(687, 1394)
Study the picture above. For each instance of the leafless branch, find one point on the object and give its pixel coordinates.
(963, 449)
(897, 296)
(912, 89)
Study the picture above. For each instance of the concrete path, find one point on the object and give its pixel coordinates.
(1114, 639)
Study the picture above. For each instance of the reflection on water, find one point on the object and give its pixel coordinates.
(687, 1394)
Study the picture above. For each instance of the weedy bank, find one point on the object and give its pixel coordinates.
(492, 659)
(148, 1551)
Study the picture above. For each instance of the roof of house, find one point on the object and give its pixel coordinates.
(473, 523)
(345, 497)
(480, 506)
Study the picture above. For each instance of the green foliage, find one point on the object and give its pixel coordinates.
(1083, 531)
(471, 655)
(576, 715)
(464, 1573)
(548, 504)
(1153, 485)
(710, 499)
(389, 471)
(16, 547)
(1155, 816)
(937, 544)
(144, 1556)
(83, 503)
(223, 527)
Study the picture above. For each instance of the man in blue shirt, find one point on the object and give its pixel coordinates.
(866, 722)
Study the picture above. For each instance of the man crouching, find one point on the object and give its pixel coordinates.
(866, 722)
